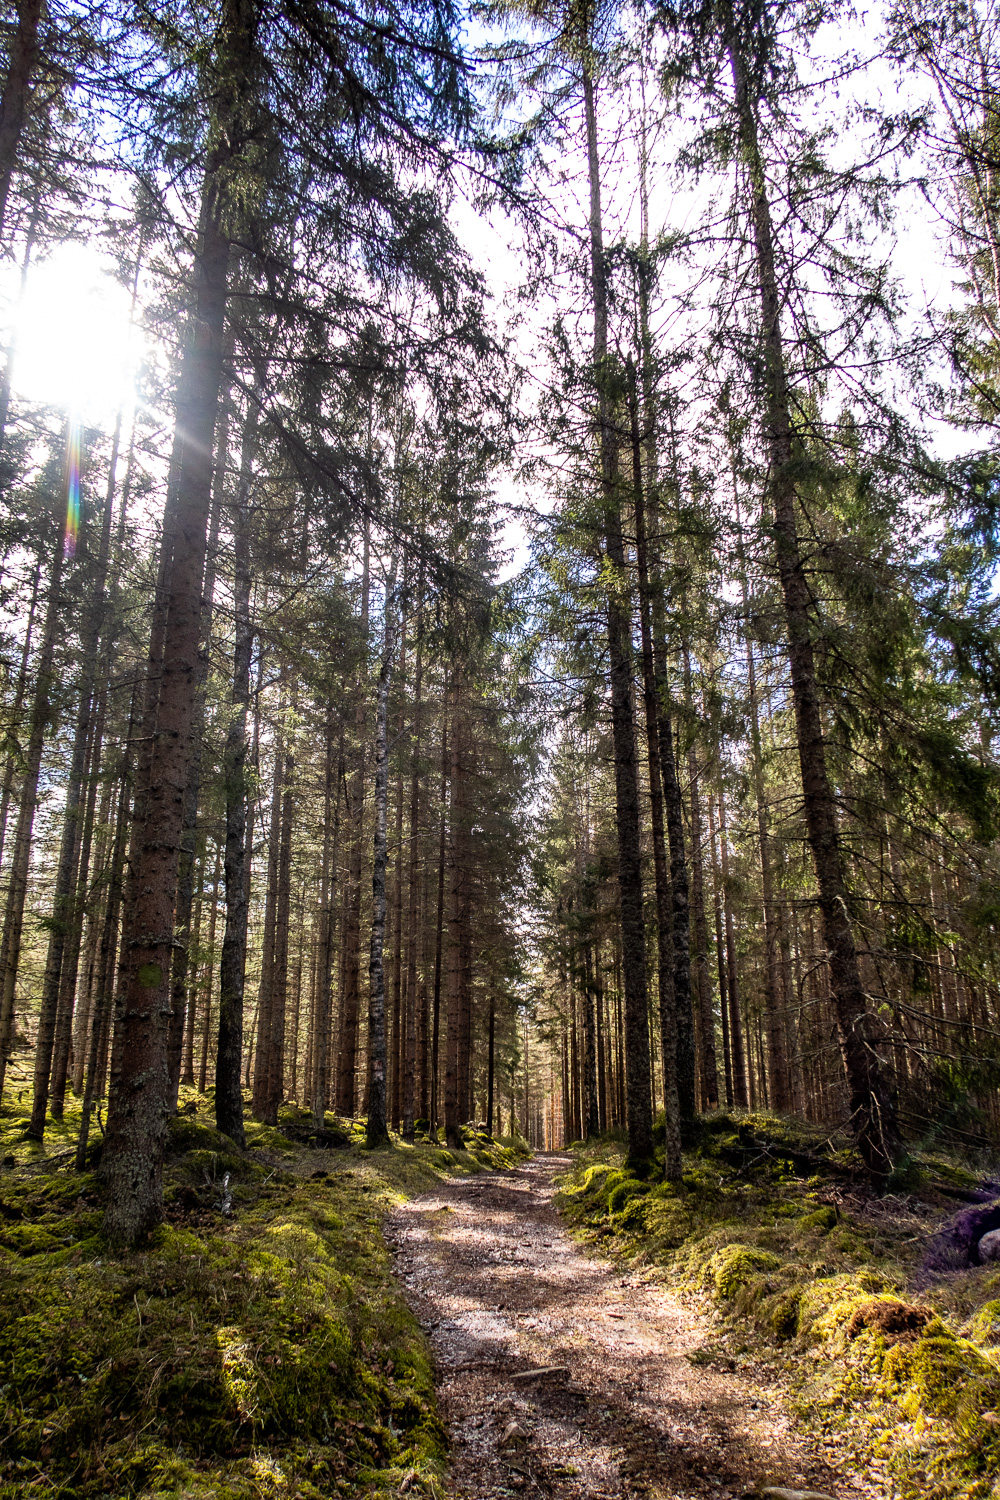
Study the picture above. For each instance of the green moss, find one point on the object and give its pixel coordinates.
(783, 1313)
(939, 1374)
(788, 1273)
(822, 1219)
(621, 1194)
(986, 1324)
(736, 1266)
(267, 1353)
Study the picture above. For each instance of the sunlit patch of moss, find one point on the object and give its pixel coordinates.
(264, 1352)
(986, 1325)
(821, 1219)
(735, 1267)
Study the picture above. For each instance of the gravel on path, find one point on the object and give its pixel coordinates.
(620, 1409)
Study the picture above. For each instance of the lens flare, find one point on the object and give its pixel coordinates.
(72, 487)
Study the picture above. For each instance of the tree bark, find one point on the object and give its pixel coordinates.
(439, 925)
(627, 819)
(15, 102)
(377, 1133)
(456, 878)
(132, 1160)
(664, 900)
(872, 1113)
(63, 913)
(413, 935)
(323, 1010)
(17, 887)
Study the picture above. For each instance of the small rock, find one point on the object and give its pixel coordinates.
(513, 1433)
(517, 1481)
(989, 1246)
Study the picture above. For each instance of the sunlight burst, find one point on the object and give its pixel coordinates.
(75, 346)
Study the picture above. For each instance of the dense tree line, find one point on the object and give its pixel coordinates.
(304, 799)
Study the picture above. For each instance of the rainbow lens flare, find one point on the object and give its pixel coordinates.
(72, 488)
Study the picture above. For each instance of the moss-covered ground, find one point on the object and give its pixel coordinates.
(811, 1273)
(255, 1352)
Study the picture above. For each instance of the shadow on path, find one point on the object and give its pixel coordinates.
(503, 1291)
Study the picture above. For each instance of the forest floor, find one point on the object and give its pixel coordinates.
(631, 1407)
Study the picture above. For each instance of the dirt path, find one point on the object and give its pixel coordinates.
(503, 1290)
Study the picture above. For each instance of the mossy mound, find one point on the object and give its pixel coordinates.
(266, 1350)
(777, 1228)
(737, 1267)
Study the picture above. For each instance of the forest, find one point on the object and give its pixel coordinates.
(498, 623)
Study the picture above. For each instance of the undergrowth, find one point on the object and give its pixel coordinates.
(263, 1351)
(806, 1268)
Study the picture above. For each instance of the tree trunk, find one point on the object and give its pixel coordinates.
(63, 913)
(185, 880)
(232, 962)
(720, 955)
(323, 1010)
(13, 759)
(640, 1115)
(15, 101)
(377, 1133)
(132, 1160)
(664, 905)
(17, 887)
(413, 936)
(872, 1113)
(439, 926)
(740, 1098)
(456, 878)
(66, 1006)
(105, 983)
(274, 1088)
(706, 1016)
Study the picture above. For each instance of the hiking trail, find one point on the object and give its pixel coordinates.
(616, 1406)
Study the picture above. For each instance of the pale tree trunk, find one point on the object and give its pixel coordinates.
(398, 1025)
(350, 1006)
(17, 887)
(100, 1015)
(323, 1007)
(232, 962)
(66, 1006)
(377, 1133)
(63, 914)
(275, 1042)
(720, 957)
(709, 1076)
(439, 925)
(627, 816)
(180, 967)
(456, 880)
(265, 988)
(777, 1066)
(664, 898)
(13, 759)
(413, 937)
(872, 1113)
